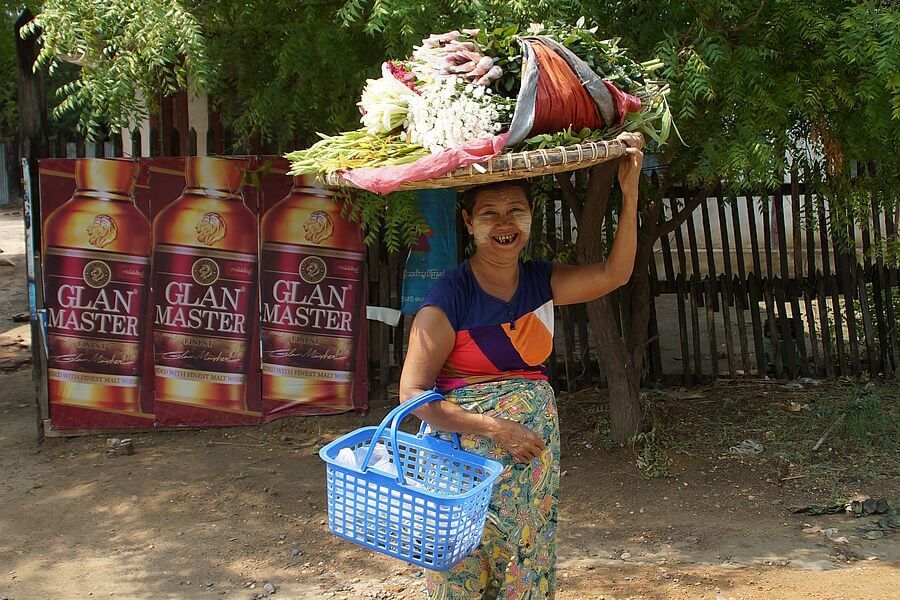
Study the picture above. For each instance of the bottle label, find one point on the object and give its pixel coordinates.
(204, 299)
(309, 310)
(95, 307)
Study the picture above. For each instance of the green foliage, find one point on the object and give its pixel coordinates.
(756, 87)
(393, 219)
(286, 70)
(129, 51)
(652, 459)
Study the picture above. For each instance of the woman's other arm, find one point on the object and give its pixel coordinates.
(431, 340)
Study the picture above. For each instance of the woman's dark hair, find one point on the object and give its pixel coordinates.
(471, 194)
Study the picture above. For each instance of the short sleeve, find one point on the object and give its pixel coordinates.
(443, 295)
(540, 272)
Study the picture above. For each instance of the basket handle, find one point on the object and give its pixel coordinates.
(393, 419)
(398, 417)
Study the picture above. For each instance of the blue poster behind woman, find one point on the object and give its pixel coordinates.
(435, 251)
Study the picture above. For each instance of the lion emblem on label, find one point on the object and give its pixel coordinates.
(102, 231)
(318, 227)
(97, 274)
(313, 269)
(210, 229)
(205, 271)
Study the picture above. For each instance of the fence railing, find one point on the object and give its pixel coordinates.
(755, 285)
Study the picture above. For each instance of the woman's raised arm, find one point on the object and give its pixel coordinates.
(572, 284)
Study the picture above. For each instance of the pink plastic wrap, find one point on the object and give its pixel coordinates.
(385, 180)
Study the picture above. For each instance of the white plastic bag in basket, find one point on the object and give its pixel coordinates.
(381, 460)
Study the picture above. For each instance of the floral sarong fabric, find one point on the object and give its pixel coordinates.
(517, 556)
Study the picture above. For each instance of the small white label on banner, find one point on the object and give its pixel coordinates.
(391, 316)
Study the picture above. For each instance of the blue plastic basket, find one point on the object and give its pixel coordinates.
(431, 513)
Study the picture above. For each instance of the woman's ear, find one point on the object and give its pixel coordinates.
(467, 219)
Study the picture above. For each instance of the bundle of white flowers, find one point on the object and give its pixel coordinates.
(384, 103)
(450, 112)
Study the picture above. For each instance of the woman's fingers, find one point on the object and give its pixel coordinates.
(522, 443)
(530, 451)
(633, 141)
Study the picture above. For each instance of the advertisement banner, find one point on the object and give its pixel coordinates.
(165, 307)
(96, 267)
(312, 299)
(206, 364)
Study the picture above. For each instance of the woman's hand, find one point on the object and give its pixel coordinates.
(522, 443)
(630, 164)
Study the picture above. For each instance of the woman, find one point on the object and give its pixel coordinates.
(481, 338)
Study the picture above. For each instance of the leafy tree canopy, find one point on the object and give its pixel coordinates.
(758, 86)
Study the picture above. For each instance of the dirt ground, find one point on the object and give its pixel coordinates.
(224, 512)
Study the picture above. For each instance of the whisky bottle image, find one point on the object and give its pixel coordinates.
(204, 289)
(96, 264)
(311, 296)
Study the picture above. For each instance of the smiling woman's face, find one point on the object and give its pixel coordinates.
(500, 220)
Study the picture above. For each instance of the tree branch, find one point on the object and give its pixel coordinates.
(718, 26)
(748, 22)
(570, 195)
(667, 227)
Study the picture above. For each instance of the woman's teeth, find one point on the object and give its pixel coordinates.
(506, 239)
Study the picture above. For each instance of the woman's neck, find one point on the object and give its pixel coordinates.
(497, 278)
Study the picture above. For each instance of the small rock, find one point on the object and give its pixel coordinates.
(625, 555)
(295, 551)
(119, 447)
(270, 588)
(874, 535)
(840, 540)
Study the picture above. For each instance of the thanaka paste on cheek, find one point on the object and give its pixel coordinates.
(523, 222)
(481, 229)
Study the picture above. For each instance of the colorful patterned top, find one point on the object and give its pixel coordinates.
(495, 340)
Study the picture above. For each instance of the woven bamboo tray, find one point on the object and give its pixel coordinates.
(514, 165)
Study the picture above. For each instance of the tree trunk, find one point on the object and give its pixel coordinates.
(613, 352)
(31, 97)
(32, 146)
(622, 377)
(622, 351)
